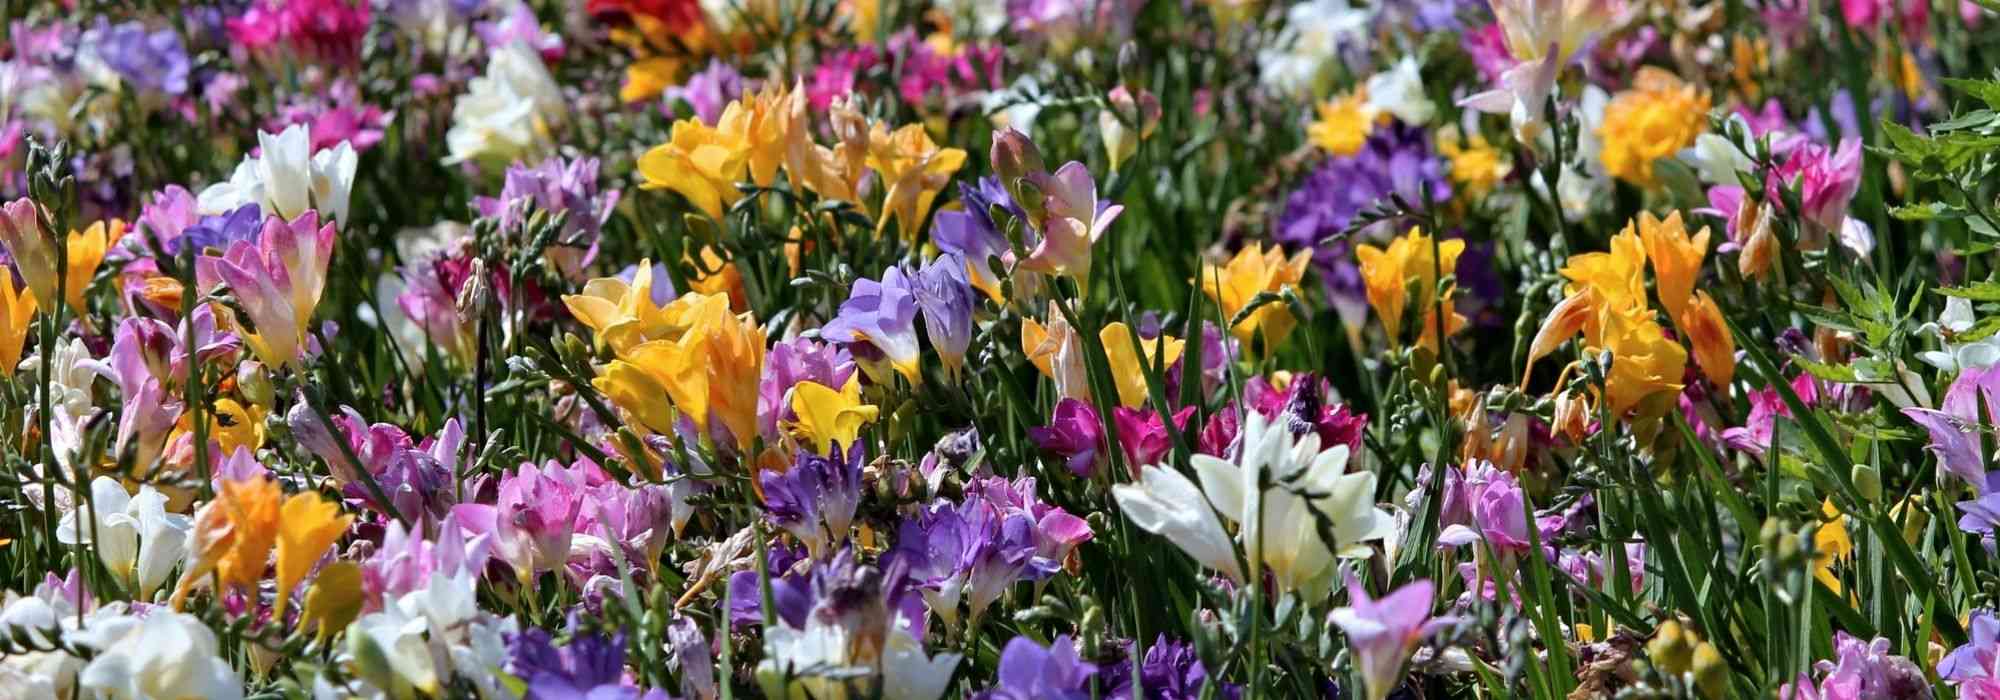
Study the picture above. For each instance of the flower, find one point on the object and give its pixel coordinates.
(880, 316)
(533, 518)
(1826, 178)
(944, 295)
(152, 61)
(1399, 91)
(86, 251)
(816, 498)
(1396, 161)
(1862, 670)
(233, 535)
(278, 282)
(1144, 436)
(1475, 165)
(710, 371)
(1031, 671)
(789, 364)
(17, 313)
(287, 178)
(1714, 348)
(708, 90)
(826, 417)
(1676, 258)
(164, 654)
(1166, 503)
(134, 535)
(1126, 122)
(309, 526)
(1072, 220)
(621, 314)
(1656, 118)
(556, 186)
(591, 665)
(333, 600)
(1383, 632)
(33, 254)
(509, 114)
(1075, 433)
(1344, 123)
(1129, 375)
(1256, 270)
(1315, 35)
(914, 170)
(1644, 362)
(1407, 271)
(701, 163)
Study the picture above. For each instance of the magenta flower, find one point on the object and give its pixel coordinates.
(1826, 178)
(278, 283)
(1143, 435)
(1862, 671)
(1383, 633)
(533, 519)
(1076, 434)
(1493, 502)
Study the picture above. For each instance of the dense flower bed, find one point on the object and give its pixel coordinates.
(999, 349)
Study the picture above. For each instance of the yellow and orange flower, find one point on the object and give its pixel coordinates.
(700, 162)
(1407, 272)
(309, 526)
(1656, 118)
(1253, 271)
(621, 315)
(233, 535)
(827, 417)
(915, 170)
(1344, 124)
(17, 315)
(709, 370)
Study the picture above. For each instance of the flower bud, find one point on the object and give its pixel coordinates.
(1014, 156)
(1868, 482)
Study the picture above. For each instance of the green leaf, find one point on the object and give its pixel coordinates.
(1926, 211)
(1988, 290)
(1834, 373)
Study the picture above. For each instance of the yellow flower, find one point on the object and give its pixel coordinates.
(1612, 281)
(646, 78)
(1831, 545)
(828, 417)
(17, 313)
(915, 170)
(1344, 123)
(1125, 368)
(332, 601)
(710, 371)
(233, 535)
(86, 252)
(863, 19)
(716, 276)
(1656, 118)
(1714, 349)
(1408, 271)
(1643, 361)
(760, 121)
(702, 163)
(309, 526)
(620, 315)
(1475, 165)
(1255, 270)
(1676, 257)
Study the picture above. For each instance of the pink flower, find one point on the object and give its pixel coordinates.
(326, 30)
(1863, 14)
(1495, 506)
(277, 282)
(1827, 180)
(1144, 436)
(1074, 219)
(533, 519)
(1383, 633)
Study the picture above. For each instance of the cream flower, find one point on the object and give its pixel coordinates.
(287, 178)
(508, 114)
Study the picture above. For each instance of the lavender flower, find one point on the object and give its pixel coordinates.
(153, 61)
(880, 317)
(815, 499)
(1396, 160)
(791, 362)
(708, 91)
(945, 298)
(1382, 633)
(1170, 671)
(556, 185)
(218, 232)
(1030, 671)
(1862, 670)
(591, 665)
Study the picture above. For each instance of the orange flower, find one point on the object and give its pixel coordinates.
(1408, 271)
(1676, 257)
(233, 535)
(17, 313)
(1714, 349)
(309, 527)
(710, 370)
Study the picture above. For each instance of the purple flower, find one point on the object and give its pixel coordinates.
(1862, 671)
(791, 591)
(1827, 180)
(945, 298)
(709, 90)
(1396, 160)
(880, 316)
(404, 561)
(815, 499)
(518, 24)
(1979, 657)
(153, 61)
(936, 547)
(1030, 671)
(1076, 434)
(1382, 633)
(972, 233)
(1171, 671)
(1144, 436)
(1483, 503)
(590, 666)
(692, 657)
(533, 518)
(556, 186)
(788, 363)
(218, 232)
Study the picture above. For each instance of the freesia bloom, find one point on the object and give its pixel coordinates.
(278, 282)
(701, 163)
(1708, 334)
(34, 254)
(827, 417)
(622, 314)
(1073, 220)
(816, 498)
(532, 519)
(164, 654)
(945, 297)
(233, 535)
(287, 179)
(1167, 503)
(1676, 258)
(1827, 180)
(1130, 367)
(914, 169)
(1256, 270)
(508, 114)
(1383, 632)
(309, 526)
(1656, 118)
(136, 538)
(1344, 124)
(1030, 671)
(1407, 272)
(710, 371)
(1075, 433)
(17, 313)
(881, 316)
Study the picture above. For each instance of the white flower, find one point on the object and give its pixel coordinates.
(1522, 95)
(819, 661)
(1400, 91)
(508, 114)
(1288, 479)
(1017, 106)
(389, 654)
(1717, 159)
(910, 674)
(1314, 32)
(1956, 319)
(165, 655)
(135, 536)
(1168, 504)
(286, 178)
